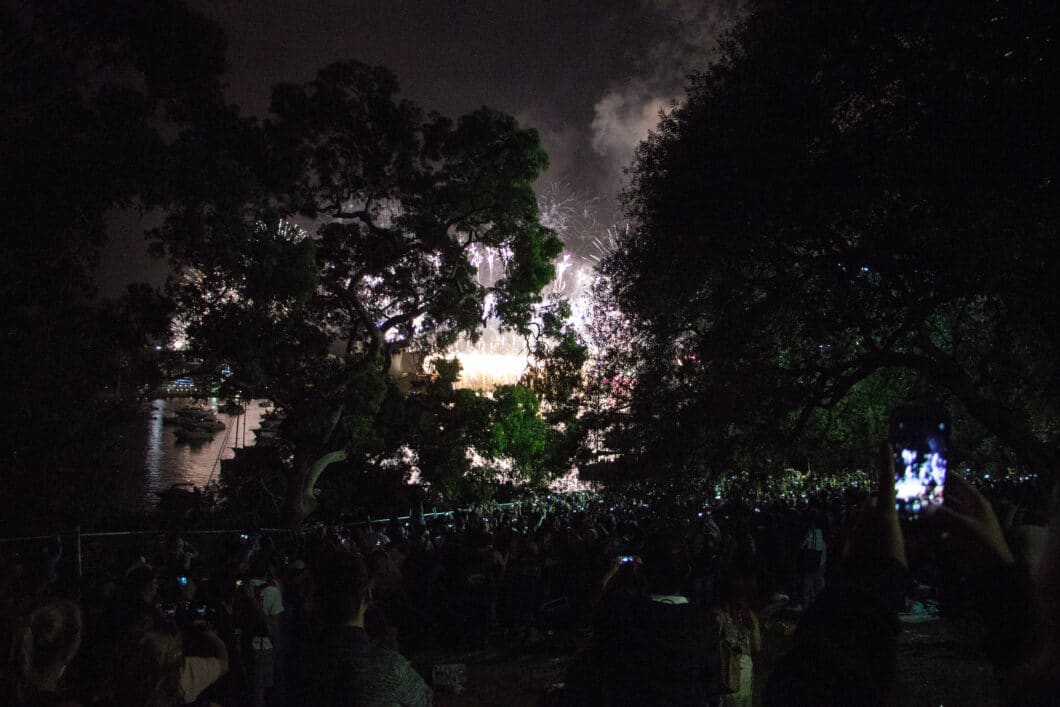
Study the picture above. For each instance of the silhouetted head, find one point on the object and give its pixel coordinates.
(47, 639)
(666, 565)
(342, 587)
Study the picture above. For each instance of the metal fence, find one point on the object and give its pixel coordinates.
(80, 539)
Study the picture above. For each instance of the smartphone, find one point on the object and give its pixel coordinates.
(625, 559)
(920, 438)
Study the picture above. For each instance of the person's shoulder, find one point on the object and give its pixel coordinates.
(382, 656)
(272, 600)
(198, 673)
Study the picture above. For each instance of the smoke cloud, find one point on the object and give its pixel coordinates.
(623, 117)
(689, 34)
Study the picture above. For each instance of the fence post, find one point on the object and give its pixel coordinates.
(77, 530)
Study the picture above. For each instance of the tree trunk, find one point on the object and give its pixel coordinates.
(302, 477)
(293, 508)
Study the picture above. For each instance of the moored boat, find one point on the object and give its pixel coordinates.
(208, 425)
(179, 497)
(196, 413)
(193, 434)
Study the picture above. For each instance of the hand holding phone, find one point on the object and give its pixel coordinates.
(973, 523)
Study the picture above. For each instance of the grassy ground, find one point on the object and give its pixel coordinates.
(940, 663)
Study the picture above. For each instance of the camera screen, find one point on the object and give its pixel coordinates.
(919, 468)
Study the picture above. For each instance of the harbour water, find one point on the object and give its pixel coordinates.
(153, 459)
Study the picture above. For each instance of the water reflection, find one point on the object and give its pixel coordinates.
(154, 458)
(153, 452)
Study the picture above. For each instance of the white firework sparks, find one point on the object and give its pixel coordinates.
(501, 357)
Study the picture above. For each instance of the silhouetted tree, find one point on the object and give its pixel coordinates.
(90, 95)
(853, 188)
(395, 202)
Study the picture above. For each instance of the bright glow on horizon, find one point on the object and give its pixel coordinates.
(485, 371)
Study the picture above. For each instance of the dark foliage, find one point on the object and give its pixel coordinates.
(854, 188)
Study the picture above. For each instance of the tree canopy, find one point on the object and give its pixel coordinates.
(852, 188)
(394, 203)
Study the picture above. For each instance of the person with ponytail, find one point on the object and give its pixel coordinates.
(46, 640)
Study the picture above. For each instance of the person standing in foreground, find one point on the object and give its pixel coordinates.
(741, 638)
(347, 670)
(811, 560)
(337, 674)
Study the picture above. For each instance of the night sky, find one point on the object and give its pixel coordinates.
(589, 75)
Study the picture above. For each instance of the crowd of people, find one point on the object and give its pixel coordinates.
(655, 589)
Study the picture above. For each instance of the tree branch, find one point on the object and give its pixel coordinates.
(398, 319)
(350, 296)
(332, 425)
